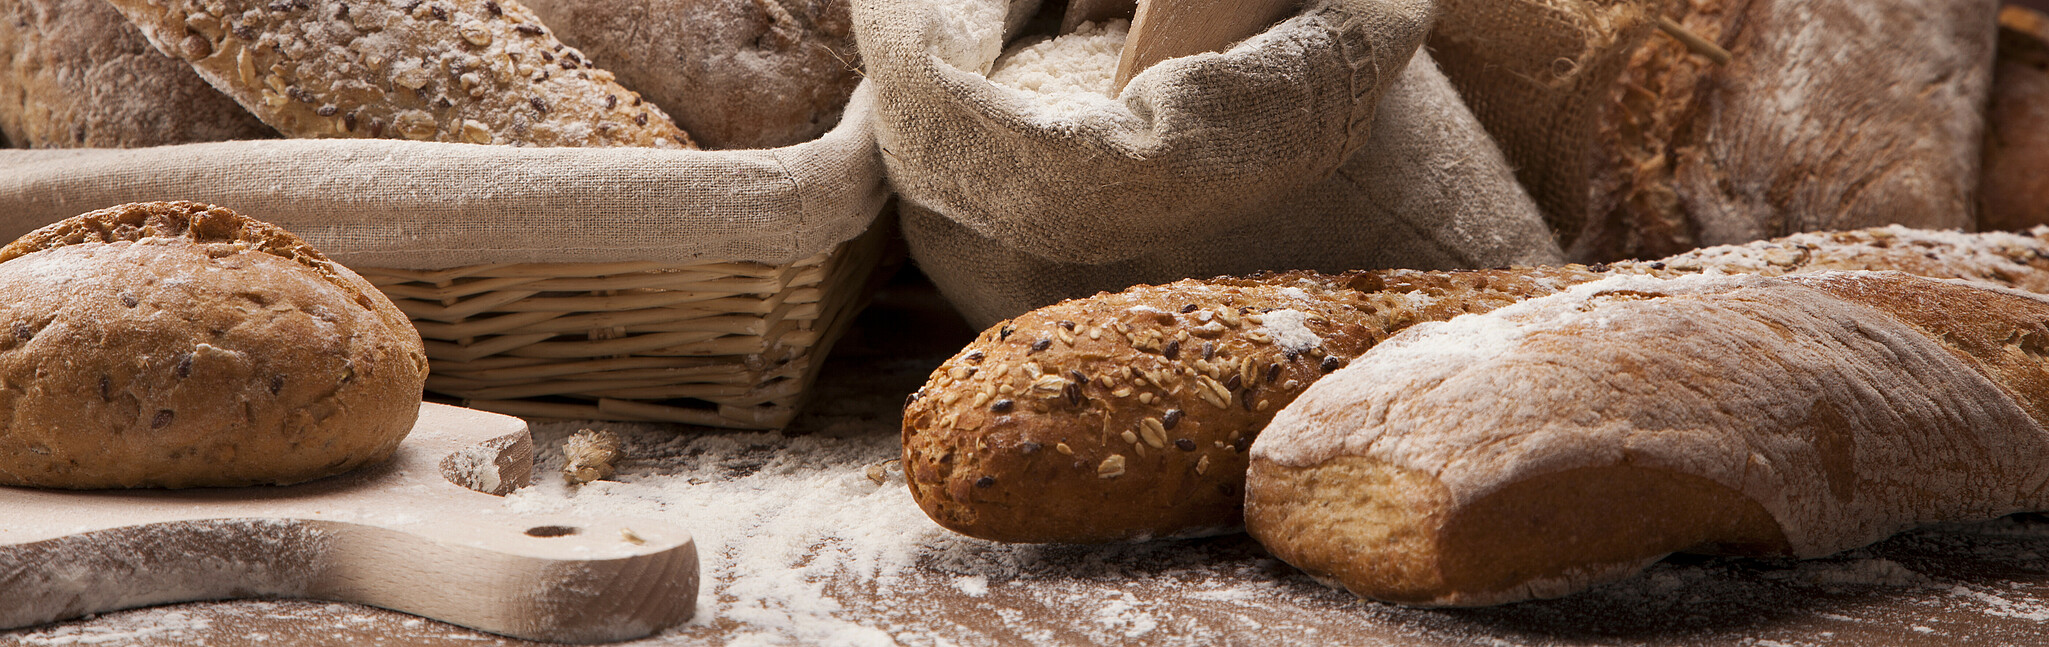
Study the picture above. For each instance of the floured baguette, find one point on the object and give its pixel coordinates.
(477, 71)
(1549, 446)
(1126, 416)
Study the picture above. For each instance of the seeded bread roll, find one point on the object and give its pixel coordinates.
(174, 344)
(74, 73)
(477, 71)
(735, 73)
(2014, 193)
(1133, 422)
(1557, 444)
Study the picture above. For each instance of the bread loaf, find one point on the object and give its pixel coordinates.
(734, 73)
(1572, 440)
(2014, 193)
(477, 71)
(1126, 416)
(1829, 114)
(74, 73)
(181, 345)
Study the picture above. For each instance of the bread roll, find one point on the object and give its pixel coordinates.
(734, 73)
(1125, 416)
(174, 344)
(476, 71)
(1546, 447)
(2014, 193)
(74, 73)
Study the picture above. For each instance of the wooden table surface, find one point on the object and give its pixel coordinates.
(1965, 584)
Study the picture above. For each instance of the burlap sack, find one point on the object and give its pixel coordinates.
(425, 205)
(1277, 154)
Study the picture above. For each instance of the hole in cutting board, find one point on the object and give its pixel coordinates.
(552, 531)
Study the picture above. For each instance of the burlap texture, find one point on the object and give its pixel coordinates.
(1428, 190)
(425, 205)
(1538, 74)
(1270, 155)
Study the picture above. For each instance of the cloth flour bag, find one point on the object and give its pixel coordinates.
(1326, 142)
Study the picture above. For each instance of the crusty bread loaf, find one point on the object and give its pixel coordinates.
(74, 73)
(1125, 416)
(181, 345)
(2014, 192)
(1572, 440)
(734, 73)
(477, 71)
(1830, 114)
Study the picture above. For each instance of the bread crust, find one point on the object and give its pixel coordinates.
(734, 73)
(1001, 474)
(2014, 192)
(1833, 114)
(474, 71)
(182, 345)
(1573, 439)
(77, 75)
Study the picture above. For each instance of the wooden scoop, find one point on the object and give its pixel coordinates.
(423, 533)
(1164, 29)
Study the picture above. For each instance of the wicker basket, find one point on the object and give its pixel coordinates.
(700, 287)
(723, 344)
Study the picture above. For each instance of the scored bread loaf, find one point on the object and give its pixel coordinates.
(476, 71)
(1572, 440)
(2014, 192)
(75, 74)
(1126, 416)
(734, 73)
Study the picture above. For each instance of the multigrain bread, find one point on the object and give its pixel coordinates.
(75, 74)
(734, 73)
(2014, 191)
(476, 71)
(1126, 416)
(175, 344)
(1549, 446)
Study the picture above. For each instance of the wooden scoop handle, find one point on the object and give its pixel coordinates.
(1164, 29)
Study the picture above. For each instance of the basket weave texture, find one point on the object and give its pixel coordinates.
(699, 287)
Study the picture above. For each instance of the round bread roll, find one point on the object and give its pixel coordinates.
(75, 74)
(174, 344)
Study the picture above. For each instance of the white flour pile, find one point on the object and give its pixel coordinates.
(1068, 75)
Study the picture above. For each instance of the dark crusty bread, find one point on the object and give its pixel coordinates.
(1832, 114)
(476, 71)
(2013, 194)
(175, 344)
(74, 73)
(734, 73)
(1546, 447)
(1126, 416)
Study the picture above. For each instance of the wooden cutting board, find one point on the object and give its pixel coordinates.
(425, 533)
